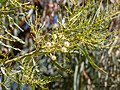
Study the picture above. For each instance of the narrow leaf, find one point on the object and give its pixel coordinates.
(91, 61)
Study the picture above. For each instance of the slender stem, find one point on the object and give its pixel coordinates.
(2, 81)
(17, 77)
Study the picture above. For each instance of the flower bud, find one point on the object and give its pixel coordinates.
(53, 57)
(66, 44)
(64, 49)
(48, 44)
(55, 36)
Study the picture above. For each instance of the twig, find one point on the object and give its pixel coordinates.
(88, 79)
(20, 57)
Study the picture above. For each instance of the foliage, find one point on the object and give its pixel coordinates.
(86, 27)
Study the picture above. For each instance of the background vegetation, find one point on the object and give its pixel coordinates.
(59, 45)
